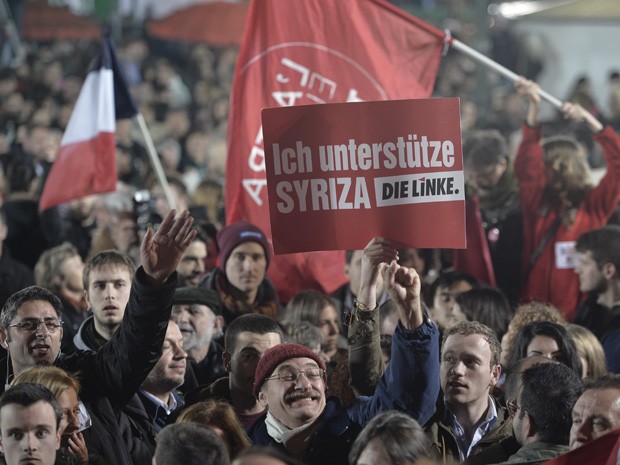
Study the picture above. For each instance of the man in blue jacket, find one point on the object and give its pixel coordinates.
(290, 379)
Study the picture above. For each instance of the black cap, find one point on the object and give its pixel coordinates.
(198, 295)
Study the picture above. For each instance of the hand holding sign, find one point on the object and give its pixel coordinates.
(376, 256)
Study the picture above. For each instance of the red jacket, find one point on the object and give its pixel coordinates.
(546, 282)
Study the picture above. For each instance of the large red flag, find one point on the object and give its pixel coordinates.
(86, 161)
(316, 51)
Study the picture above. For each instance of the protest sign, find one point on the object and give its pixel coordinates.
(339, 174)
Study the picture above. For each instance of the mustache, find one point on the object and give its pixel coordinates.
(298, 395)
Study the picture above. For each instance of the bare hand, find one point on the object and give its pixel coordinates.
(531, 91)
(377, 254)
(77, 446)
(161, 251)
(404, 286)
(578, 114)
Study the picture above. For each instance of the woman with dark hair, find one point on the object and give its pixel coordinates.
(487, 305)
(547, 339)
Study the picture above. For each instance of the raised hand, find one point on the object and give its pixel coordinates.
(404, 286)
(161, 250)
(377, 254)
(530, 90)
(578, 114)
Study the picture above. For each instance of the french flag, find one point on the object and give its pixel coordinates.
(86, 161)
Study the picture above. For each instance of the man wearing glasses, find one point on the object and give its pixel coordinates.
(542, 412)
(31, 328)
(290, 378)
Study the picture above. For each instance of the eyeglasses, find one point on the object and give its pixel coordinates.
(30, 326)
(312, 374)
(513, 407)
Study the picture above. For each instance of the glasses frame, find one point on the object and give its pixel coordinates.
(54, 326)
(296, 374)
(513, 408)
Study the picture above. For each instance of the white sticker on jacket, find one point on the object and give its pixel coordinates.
(565, 255)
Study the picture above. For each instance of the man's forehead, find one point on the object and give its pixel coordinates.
(605, 399)
(19, 416)
(110, 271)
(247, 339)
(36, 309)
(467, 343)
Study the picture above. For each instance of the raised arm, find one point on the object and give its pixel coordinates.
(403, 284)
(365, 360)
(529, 90)
(118, 369)
(578, 114)
(161, 250)
(411, 381)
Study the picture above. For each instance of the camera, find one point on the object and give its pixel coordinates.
(144, 211)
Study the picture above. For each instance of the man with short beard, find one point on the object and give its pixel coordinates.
(198, 313)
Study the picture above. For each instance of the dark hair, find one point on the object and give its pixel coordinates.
(526, 335)
(27, 394)
(603, 244)
(253, 323)
(348, 256)
(465, 328)
(489, 306)
(513, 374)
(107, 257)
(548, 395)
(449, 279)
(266, 451)
(29, 294)
(606, 381)
(190, 443)
(485, 147)
(219, 414)
(401, 437)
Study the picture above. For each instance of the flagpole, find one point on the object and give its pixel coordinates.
(461, 47)
(159, 171)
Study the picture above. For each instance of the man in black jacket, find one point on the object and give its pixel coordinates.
(31, 328)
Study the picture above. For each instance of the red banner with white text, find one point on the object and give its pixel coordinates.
(341, 173)
(313, 52)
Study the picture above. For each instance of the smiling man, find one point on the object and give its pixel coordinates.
(290, 379)
(240, 280)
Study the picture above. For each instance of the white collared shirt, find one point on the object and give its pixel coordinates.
(465, 447)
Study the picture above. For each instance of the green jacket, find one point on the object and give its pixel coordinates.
(536, 453)
(444, 444)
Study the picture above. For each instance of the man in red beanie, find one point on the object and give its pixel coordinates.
(290, 379)
(240, 279)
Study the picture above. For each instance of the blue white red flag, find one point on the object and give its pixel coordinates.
(86, 161)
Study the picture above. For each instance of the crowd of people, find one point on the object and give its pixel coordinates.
(133, 333)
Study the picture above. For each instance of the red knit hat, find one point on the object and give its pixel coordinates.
(237, 233)
(270, 360)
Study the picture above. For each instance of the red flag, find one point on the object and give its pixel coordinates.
(600, 451)
(86, 161)
(476, 258)
(316, 51)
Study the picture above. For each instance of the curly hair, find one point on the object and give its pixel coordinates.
(529, 313)
(569, 177)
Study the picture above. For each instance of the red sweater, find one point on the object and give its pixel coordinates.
(546, 282)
